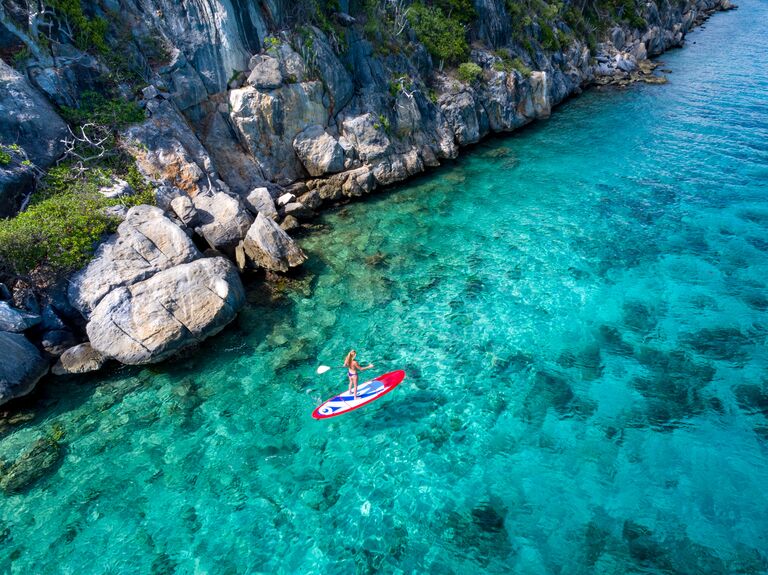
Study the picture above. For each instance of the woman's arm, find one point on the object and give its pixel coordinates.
(370, 365)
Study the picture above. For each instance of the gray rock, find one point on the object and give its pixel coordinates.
(146, 242)
(183, 207)
(267, 123)
(289, 223)
(260, 201)
(320, 152)
(168, 151)
(223, 221)
(150, 92)
(335, 77)
(625, 63)
(639, 52)
(151, 320)
(297, 210)
(618, 38)
(57, 341)
(265, 72)
(30, 467)
(118, 189)
(50, 319)
(5, 293)
(21, 368)
(79, 359)
(16, 320)
(286, 199)
(29, 120)
(270, 247)
(367, 135)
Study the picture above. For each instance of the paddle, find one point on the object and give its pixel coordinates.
(323, 368)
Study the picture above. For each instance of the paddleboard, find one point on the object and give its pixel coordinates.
(366, 393)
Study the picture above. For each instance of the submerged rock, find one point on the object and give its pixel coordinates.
(21, 367)
(31, 466)
(153, 319)
(270, 247)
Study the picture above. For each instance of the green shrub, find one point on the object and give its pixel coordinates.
(89, 33)
(110, 113)
(65, 220)
(443, 37)
(460, 10)
(469, 72)
(549, 39)
(5, 157)
(271, 42)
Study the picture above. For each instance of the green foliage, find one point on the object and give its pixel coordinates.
(65, 219)
(5, 157)
(384, 123)
(443, 37)
(111, 113)
(89, 33)
(549, 38)
(271, 42)
(21, 56)
(509, 64)
(460, 10)
(469, 72)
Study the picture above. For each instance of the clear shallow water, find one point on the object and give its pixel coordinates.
(582, 311)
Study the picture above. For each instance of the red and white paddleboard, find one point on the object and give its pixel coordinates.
(366, 393)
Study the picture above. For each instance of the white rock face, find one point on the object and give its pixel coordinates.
(183, 207)
(368, 136)
(260, 201)
(223, 221)
(320, 152)
(146, 242)
(268, 122)
(270, 247)
(79, 359)
(21, 367)
(178, 307)
(265, 72)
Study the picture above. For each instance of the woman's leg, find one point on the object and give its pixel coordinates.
(354, 380)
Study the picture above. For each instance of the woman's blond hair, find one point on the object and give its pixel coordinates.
(348, 359)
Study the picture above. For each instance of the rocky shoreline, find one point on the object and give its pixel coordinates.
(239, 159)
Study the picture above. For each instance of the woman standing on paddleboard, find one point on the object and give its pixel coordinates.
(352, 368)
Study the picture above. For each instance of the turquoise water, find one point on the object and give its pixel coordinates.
(582, 311)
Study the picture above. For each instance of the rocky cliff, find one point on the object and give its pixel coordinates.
(254, 115)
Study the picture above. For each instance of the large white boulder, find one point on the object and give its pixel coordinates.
(146, 243)
(153, 319)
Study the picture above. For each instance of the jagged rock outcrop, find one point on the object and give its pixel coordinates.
(222, 220)
(21, 367)
(27, 120)
(147, 242)
(269, 247)
(153, 319)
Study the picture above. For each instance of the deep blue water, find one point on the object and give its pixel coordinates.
(582, 311)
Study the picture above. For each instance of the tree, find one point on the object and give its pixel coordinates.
(443, 37)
